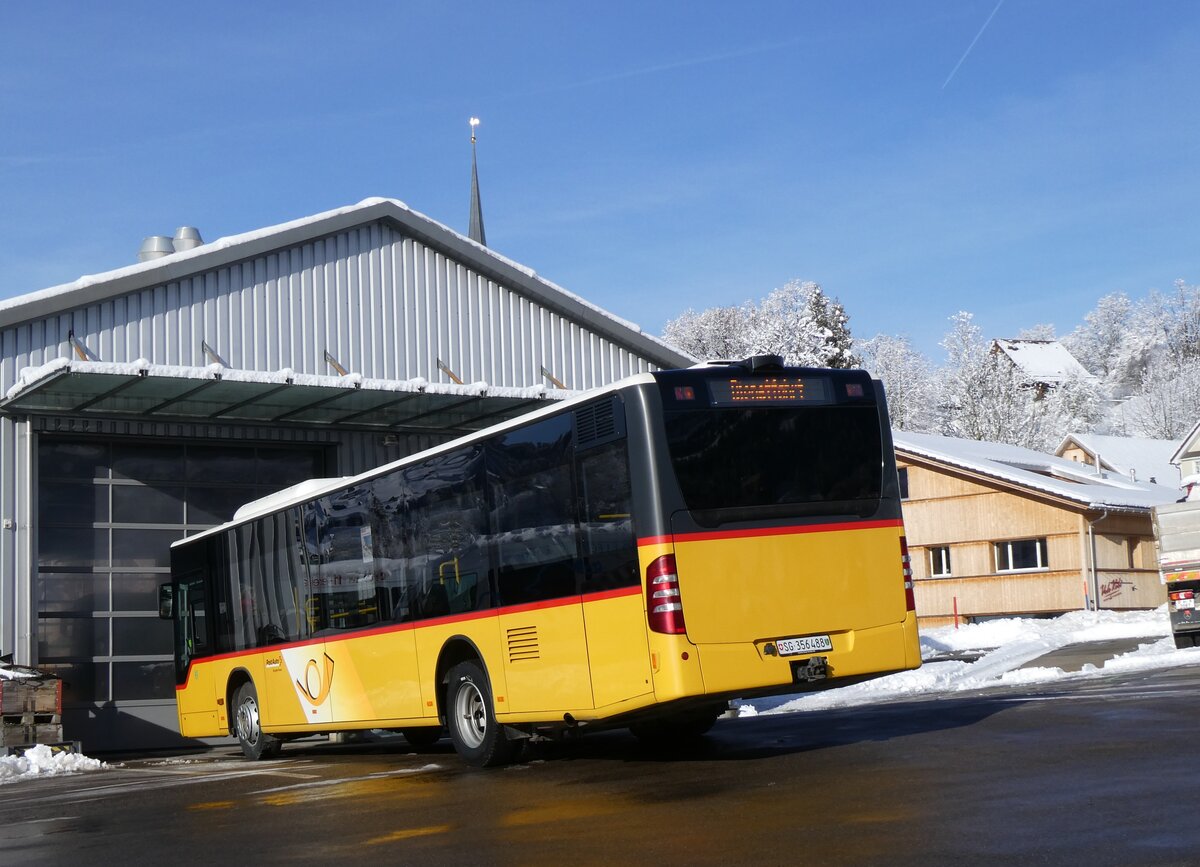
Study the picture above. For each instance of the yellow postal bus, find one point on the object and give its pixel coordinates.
(637, 557)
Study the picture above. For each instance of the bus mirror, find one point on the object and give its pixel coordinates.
(166, 601)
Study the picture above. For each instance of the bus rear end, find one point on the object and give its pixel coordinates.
(777, 559)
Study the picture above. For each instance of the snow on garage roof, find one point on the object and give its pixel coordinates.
(93, 288)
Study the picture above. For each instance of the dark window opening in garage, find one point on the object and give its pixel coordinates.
(108, 512)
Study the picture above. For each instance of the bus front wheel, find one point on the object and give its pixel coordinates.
(256, 744)
(476, 735)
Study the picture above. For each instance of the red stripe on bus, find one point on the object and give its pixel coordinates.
(617, 593)
(769, 531)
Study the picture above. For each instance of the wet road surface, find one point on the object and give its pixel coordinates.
(1097, 772)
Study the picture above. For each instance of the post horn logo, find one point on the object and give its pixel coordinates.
(316, 685)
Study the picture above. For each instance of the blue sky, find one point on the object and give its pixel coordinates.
(648, 156)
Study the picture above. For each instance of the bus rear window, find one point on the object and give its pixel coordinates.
(763, 462)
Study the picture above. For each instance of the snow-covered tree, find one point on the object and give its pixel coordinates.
(1178, 317)
(833, 323)
(1167, 405)
(718, 332)
(908, 380)
(798, 321)
(1041, 331)
(983, 396)
(1097, 341)
(1076, 405)
(784, 324)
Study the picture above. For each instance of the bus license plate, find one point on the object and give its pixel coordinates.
(1181, 604)
(807, 644)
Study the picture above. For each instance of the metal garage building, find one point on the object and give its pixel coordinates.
(147, 403)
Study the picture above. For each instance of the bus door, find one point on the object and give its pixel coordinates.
(275, 607)
(365, 669)
(193, 640)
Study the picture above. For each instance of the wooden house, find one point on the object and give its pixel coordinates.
(996, 530)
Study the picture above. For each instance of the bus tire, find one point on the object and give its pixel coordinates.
(420, 738)
(471, 720)
(247, 726)
(1185, 639)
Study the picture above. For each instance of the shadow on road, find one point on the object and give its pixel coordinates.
(785, 734)
(741, 739)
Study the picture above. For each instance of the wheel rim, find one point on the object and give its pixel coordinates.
(247, 721)
(470, 714)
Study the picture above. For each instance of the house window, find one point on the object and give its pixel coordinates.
(902, 475)
(939, 562)
(1021, 554)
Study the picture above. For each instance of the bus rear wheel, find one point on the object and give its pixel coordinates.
(247, 725)
(471, 719)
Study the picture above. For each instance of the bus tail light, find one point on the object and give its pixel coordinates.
(910, 602)
(663, 601)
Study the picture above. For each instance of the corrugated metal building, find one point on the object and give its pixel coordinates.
(147, 403)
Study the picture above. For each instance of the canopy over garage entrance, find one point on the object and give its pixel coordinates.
(219, 394)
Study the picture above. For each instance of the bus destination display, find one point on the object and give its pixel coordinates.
(788, 390)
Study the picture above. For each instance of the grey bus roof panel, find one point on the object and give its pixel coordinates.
(303, 493)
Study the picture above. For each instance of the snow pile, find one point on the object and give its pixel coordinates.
(1003, 647)
(1071, 628)
(40, 761)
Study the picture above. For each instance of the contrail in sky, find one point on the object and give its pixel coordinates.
(972, 45)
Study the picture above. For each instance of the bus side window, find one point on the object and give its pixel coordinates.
(534, 517)
(607, 522)
(448, 518)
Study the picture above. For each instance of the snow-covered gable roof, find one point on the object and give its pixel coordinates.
(1147, 459)
(93, 288)
(1044, 361)
(1036, 472)
(1188, 446)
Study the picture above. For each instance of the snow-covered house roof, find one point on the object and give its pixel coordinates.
(1132, 457)
(1188, 446)
(1036, 473)
(1047, 362)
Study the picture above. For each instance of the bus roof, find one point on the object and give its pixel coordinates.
(311, 489)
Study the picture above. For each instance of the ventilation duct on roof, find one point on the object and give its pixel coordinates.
(155, 247)
(187, 238)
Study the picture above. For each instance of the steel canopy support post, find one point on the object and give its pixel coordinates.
(25, 620)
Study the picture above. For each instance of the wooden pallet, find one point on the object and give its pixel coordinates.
(30, 734)
(30, 713)
(22, 696)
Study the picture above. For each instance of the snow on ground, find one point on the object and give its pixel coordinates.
(39, 761)
(1002, 647)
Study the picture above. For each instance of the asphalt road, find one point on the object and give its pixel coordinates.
(1097, 772)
